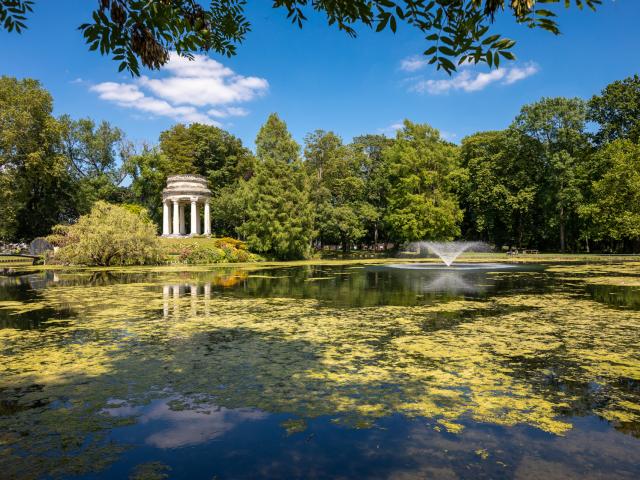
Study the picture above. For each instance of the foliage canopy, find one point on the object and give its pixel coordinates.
(108, 235)
(423, 170)
(279, 219)
(143, 32)
(546, 182)
(616, 110)
(35, 186)
(615, 208)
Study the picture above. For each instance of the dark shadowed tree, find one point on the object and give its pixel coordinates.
(375, 175)
(501, 188)
(342, 212)
(148, 171)
(558, 126)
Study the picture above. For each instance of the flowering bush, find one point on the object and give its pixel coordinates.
(223, 253)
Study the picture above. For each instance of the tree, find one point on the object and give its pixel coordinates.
(279, 218)
(558, 126)
(615, 209)
(617, 111)
(375, 174)
(337, 189)
(36, 190)
(142, 31)
(108, 235)
(230, 206)
(148, 171)
(97, 159)
(319, 150)
(422, 170)
(501, 187)
(209, 151)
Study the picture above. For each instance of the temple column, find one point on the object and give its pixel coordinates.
(194, 217)
(183, 230)
(207, 218)
(165, 218)
(176, 217)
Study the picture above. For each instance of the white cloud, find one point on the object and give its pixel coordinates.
(470, 81)
(516, 73)
(466, 81)
(117, 92)
(189, 86)
(228, 112)
(130, 96)
(418, 62)
(414, 63)
(391, 129)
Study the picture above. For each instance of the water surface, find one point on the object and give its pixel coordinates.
(343, 371)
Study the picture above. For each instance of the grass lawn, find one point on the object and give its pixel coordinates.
(552, 258)
(169, 242)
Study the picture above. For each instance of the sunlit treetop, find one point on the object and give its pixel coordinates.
(143, 32)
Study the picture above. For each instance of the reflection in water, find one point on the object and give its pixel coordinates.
(318, 371)
(172, 293)
(619, 296)
(176, 423)
(438, 281)
(479, 267)
(455, 283)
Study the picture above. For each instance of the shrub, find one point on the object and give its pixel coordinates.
(202, 250)
(218, 252)
(108, 235)
(197, 254)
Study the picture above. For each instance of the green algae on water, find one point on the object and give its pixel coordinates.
(495, 360)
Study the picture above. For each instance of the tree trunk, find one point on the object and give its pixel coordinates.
(562, 240)
(520, 231)
(375, 236)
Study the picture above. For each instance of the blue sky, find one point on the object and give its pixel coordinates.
(318, 77)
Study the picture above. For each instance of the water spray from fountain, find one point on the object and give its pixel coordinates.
(448, 251)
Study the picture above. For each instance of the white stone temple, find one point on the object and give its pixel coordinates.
(183, 191)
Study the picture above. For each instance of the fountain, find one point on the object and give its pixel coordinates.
(449, 251)
(447, 277)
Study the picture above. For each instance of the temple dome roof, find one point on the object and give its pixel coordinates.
(186, 186)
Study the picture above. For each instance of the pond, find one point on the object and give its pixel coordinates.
(322, 371)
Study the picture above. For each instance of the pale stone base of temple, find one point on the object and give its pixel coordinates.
(189, 235)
